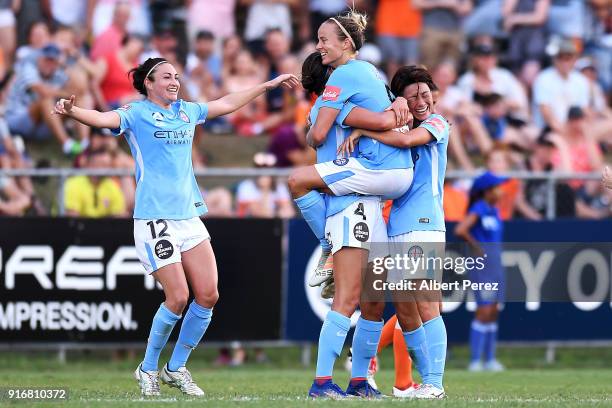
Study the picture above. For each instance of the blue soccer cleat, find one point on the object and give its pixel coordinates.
(363, 389)
(326, 390)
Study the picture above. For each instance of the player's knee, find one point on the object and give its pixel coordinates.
(428, 310)
(372, 311)
(208, 299)
(293, 182)
(177, 300)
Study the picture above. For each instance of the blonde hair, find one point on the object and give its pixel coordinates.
(352, 25)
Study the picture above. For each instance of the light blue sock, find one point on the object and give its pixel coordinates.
(435, 331)
(163, 323)
(365, 345)
(478, 333)
(416, 341)
(312, 206)
(333, 333)
(490, 343)
(194, 326)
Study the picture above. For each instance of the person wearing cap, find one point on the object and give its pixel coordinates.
(559, 87)
(597, 97)
(483, 225)
(485, 78)
(32, 96)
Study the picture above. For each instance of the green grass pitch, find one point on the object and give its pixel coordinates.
(96, 382)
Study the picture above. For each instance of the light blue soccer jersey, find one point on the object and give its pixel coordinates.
(420, 208)
(327, 151)
(360, 83)
(160, 140)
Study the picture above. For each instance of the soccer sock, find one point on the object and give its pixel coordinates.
(435, 331)
(416, 342)
(478, 333)
(365, 345)
(386, 336)
(163, 323)
(194, 326)
(490, 342)
(312, 206)
(333, 333)
(401, 359)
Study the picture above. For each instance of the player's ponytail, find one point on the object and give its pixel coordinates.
(144, 71)
(352, 26)
(314, 73)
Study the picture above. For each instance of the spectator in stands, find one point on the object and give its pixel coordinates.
(606, 177)
(585, 155)
(138, 21)
(244, 74)
(219, 201)
(94, 196)
(39, 35)
(265, 196)
(214, 16)
(524, 21)
(81, 70)
(593, 201)
(231, 47)
(565, 19)
(598, 39)
(597, 98)
(559, 87)
(398, 27)
(485, 78)
(113, 69)
(204, 67)
(109, 40)
(16, 194)
(28, 12)
(512, 197)
(453, 105)
(70, 13)
(318, 12)
(8, 35)
(264, 15)
(484, 19)
(32, 96)
(442, 36)
(540, 159)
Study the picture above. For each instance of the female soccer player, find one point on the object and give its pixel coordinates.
(483, 226)
(416, 224)
(355, 82)
(171, 240)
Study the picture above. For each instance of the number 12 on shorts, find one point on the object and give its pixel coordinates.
(162, 233)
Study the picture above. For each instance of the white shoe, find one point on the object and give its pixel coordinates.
(148, 381)
(475, 366)
(494, 366)
(328, 289)
(407, 393)
(324, 270)
(182, 380)
(428, 391)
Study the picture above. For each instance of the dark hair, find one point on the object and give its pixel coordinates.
(314, 73)
(409, 75)
(128, 37)
(139, 74)
(205, 35)
(355, 25)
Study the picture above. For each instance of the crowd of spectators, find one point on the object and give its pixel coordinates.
(526, 85)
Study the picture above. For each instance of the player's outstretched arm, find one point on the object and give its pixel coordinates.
(89, 117)
(236, 100)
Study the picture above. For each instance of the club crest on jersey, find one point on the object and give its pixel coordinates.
(183, 116)
(341, 162)
(159, 118)
(125, 107)
(331, 93)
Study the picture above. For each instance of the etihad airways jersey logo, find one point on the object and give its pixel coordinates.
(331, 93)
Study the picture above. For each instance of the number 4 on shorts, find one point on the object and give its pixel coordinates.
(360, 211)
